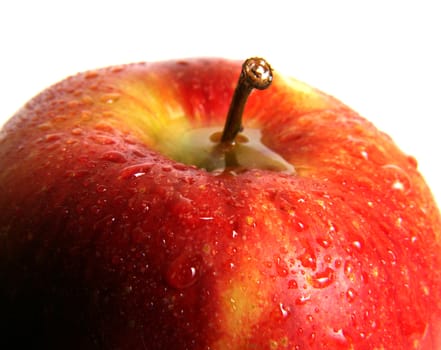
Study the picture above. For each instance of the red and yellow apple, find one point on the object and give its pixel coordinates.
(126, 223)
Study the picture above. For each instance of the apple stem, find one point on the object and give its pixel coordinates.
(256, 74)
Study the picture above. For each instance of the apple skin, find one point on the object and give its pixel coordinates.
(107, 242)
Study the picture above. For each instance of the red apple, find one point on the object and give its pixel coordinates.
(130, 221)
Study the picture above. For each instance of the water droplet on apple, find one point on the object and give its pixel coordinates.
(184, 272)
(398, 178)
(351, 294)
(135, 171)
(52, 137)
(87, 100)
(325, 242)
(303, 299)
(364, 154)
(104, 127)
(91, 74)
(357, 245)
(349, 270)
(101, 188)
(110, 97)
(102, 140)
(308, 259)
(114, 156)
(230, 265)
(117, 69)
(180, 166)
(323, 279)
(412, 161)
(312, 337)
(299, 226)
(292, 284)
(45, 126)
(339, 336)
(166, 168)
(76, 131)
(284, 310)
(231, 250)
(392, 257)
(354, 319)
(77, 173)
(281, 266)
(86, 115)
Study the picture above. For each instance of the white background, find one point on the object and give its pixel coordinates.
(380, 57)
